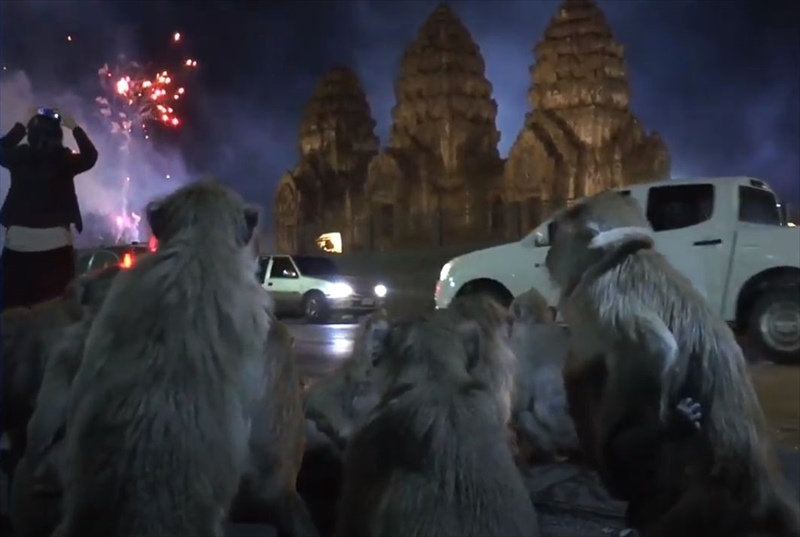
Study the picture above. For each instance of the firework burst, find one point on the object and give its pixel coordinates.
(135, 97)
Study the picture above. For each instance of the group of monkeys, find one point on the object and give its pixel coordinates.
(164, 399)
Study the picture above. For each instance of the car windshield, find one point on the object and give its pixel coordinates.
(316, 266)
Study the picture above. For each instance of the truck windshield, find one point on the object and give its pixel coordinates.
(315, 266)
(759, 206)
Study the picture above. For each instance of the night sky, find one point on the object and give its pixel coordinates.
(719, 79)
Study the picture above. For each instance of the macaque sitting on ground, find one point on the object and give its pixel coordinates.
(37, 485)
(544, 429)
(433, 458)
(618, 292)
(161, 410)
(27, 337)
(339, 402)
(267, 492)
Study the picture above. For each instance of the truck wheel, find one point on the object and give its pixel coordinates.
(775, 324)
(315, 307)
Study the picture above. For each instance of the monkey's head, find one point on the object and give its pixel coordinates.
(205, 209)
(582, 235)
(487, 329)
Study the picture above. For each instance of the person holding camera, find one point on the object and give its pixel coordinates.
(38, 259)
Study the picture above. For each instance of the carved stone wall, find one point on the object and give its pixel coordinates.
(580, 136)
(336, 143)
(441, 172)
(443, 133)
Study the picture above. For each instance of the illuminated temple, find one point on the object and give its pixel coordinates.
(441, 172)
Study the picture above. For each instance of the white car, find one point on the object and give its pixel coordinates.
(313, 287)
(727, 235)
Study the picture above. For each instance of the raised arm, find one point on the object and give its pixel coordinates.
(9, 143)
(86, 157)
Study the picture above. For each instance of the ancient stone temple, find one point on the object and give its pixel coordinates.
(337, 141)
(440, 177)
(580, 136)
(442, 156)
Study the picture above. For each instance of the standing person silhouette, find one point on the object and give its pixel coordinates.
(38, 260)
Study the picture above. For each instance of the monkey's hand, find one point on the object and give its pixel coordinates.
(685, 419)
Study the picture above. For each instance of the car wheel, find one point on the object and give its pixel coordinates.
(315, 307)
(775, 325)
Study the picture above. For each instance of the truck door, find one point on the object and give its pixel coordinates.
(690, 237)
(283, 283)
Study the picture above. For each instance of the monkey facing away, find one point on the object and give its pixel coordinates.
(277, 437)
(540, 417)
(37, 485)
(433, 458)
(617, 289)
(158, 424)
(338, 402)
(27, 336)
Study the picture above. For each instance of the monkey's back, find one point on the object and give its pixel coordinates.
(156, 433)
(436, 464)
(710, 365)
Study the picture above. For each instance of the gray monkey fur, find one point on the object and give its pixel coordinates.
(540, 416)
(433, 458)
(267, 491)
(615, 286)
(28, 334)
(338, 403)
(37, 485)
(157, 424)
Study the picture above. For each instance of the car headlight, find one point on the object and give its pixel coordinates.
(380, 290)
(339, 290)
(445, 270)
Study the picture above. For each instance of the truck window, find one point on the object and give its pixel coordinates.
(679, 206)
(282, 268)
(758, 206)
(261, 273)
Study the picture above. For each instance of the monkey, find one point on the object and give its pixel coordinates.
(37, 486)
(277, 437)
(616, 287)
(27, 335)
(335, 406)
(160, 411)
(433, 457)
(339, 401)
(544, 429)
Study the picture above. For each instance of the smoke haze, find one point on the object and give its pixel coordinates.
(100, 190)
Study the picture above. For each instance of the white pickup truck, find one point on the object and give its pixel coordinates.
(727, 235)
(313, 287)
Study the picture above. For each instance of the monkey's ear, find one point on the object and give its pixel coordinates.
(377, 337)
(472, 339)
(155, 218)
(250, 223)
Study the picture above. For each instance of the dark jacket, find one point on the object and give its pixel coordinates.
(42, 192)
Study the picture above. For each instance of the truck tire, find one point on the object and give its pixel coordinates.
(315, 307)
(774, 324)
